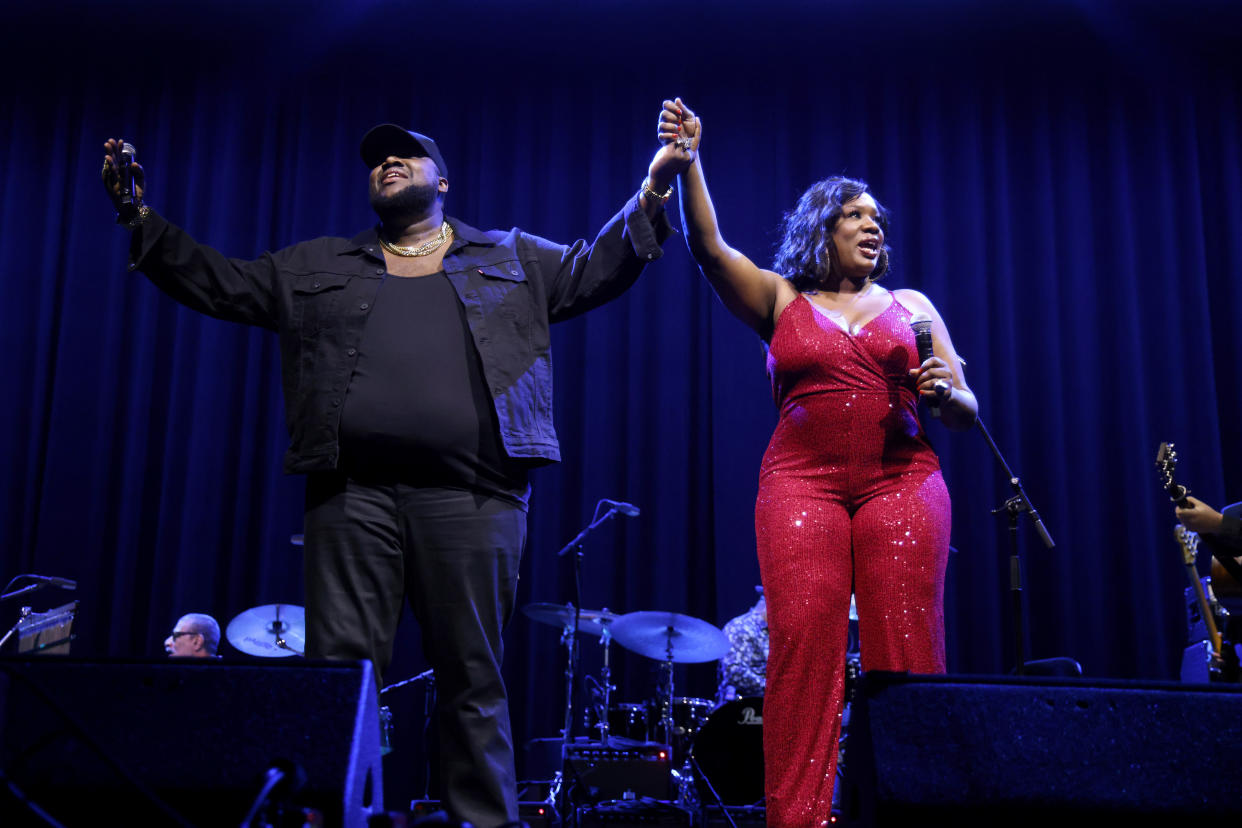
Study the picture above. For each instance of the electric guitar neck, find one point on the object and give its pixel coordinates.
(1166, 462)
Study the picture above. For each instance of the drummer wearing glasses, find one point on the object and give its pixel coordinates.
(196, 635)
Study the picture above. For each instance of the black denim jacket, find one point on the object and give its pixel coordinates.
(316, 296)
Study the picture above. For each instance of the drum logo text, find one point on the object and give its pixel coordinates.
(749, 717)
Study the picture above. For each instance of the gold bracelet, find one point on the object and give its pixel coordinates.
(650, 193)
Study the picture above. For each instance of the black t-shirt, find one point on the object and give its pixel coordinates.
(417, 409)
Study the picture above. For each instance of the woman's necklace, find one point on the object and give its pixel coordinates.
(857, 297)
(424, 249)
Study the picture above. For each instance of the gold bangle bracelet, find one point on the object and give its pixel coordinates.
(650, 193)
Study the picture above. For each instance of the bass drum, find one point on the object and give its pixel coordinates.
(729, 753)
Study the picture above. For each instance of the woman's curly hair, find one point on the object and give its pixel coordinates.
(807, 255)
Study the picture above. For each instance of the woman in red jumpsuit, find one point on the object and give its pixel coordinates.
(851, 498)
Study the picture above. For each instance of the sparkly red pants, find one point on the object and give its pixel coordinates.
(857, 520)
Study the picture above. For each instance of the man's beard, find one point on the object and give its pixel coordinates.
(411, 202)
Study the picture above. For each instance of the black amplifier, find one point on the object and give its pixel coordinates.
(595, 771)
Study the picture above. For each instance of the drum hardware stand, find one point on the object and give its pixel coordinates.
(666, 716)
(666, 723)
(666, 686)
(278, 628)
(605, 674)
(1014, 507)
(603, 694)
(576, 546)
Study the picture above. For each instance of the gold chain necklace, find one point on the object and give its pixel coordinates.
(424, 249)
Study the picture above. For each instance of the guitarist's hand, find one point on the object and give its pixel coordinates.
(1199, 517)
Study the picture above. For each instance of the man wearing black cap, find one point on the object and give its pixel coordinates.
(417, 375)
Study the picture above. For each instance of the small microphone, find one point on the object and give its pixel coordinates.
(628, 509)
(921, 324)
(127, 172)
(63, 583)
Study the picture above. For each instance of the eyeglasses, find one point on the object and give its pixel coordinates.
(174, 635)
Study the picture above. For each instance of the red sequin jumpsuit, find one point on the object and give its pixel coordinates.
(850, 497)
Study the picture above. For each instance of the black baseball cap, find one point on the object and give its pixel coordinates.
(389, 139)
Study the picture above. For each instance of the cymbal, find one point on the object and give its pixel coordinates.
(670, 636)
(271, 631)
(592, 622)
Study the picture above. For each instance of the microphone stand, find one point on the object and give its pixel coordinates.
(19, 592)
(1014, 507)
(385, 715)
(571, 669)
(25, 614)
(40, 581)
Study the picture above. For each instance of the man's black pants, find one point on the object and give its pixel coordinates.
(455, 555)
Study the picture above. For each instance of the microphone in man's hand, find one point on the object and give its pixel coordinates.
(921, 324)
(628, 509)
(127, 172)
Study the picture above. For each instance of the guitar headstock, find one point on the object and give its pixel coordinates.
(1189, 542)
(1166, 462)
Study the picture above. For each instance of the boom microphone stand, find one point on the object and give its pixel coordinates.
(571, 668)
(1017, 504)
(429, 696)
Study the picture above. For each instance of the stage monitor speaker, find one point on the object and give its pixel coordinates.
(190, 741)
(1065, 752)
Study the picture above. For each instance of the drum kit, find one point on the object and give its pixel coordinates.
(725, 742)
(667, 637)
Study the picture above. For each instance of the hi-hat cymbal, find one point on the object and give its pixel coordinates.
(670, 636)
(271, 631)
(592, 622)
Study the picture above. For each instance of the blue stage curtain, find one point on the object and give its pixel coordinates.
(1065, 186)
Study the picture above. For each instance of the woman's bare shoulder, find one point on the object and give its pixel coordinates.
(913, 299)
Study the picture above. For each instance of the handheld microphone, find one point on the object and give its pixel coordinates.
(127, 172)
(921, 324)
(628, 509)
